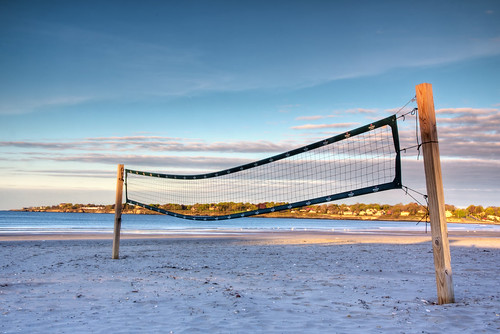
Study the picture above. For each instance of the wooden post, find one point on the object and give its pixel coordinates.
(434, 181)
(118, 212)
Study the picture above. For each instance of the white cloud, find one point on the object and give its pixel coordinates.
(309, 118)
(472, 123)
(288, 107)
(463, 111)
(194, 162)
(464, 133)
(153, 144)
(32, 104)
(361, 111)
(313, 118)
(323, 126)
(104, 173)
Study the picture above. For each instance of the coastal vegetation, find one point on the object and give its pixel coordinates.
(358, 211)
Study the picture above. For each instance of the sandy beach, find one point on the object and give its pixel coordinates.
(269, 282)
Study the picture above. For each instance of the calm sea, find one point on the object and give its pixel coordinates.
(46, 222)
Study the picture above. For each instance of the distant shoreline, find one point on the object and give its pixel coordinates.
(296, 215)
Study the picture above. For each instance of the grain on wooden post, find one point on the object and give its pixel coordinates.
(118, 212)
(434, 182)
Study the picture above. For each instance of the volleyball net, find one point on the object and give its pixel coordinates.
(358, 162)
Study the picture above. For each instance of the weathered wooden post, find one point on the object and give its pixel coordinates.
(434, 181)
(118, 212)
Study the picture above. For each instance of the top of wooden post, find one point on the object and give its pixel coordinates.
(426, 112)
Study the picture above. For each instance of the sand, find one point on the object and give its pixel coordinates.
(284, 282)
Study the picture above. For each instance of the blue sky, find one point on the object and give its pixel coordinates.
(200, 85)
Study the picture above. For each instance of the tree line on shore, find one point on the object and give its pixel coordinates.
(410, 211)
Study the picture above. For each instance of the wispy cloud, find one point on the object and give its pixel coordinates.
(30, 104)
(312, 118)
(105, 173)
(480, 122)
(288, 107)
(308, 118)
(34, 145)
(361, 111)
(464, 133)
(358, 111)
(153, 144)
(468, 111)
(323, 126)
(196, 162)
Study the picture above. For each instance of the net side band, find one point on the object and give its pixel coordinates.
(396, 183)
(391, 121)
(319, 200)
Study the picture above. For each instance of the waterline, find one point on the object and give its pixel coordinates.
(72, 223)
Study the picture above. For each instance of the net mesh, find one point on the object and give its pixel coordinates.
(350, 164)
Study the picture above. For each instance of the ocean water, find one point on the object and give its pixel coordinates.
(47, 222)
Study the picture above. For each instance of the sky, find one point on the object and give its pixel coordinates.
(183, 86)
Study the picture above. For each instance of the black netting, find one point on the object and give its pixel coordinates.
(354, 163)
